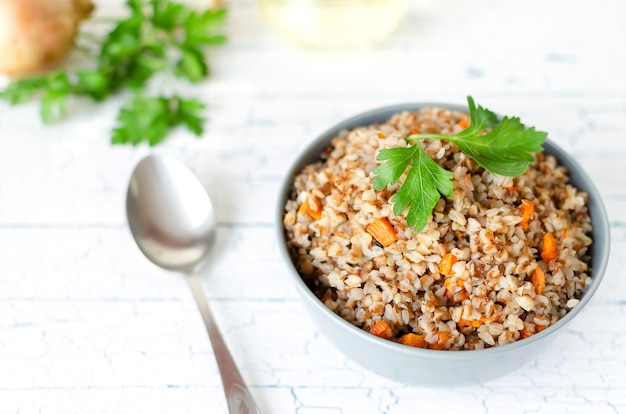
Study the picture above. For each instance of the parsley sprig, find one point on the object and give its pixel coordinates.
(158, 37)
(503, 147)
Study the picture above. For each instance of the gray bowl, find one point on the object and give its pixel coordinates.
(436, 367)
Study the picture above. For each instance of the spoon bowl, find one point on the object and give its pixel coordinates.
(172, 220)
(170, 214)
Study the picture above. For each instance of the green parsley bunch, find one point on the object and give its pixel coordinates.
(159, 36)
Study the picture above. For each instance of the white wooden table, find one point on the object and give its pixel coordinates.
(87, 325)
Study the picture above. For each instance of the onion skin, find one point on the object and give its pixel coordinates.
(35, 35)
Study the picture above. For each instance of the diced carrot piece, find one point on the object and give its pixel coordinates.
(382, 231)
(493, 318)
(539, 280)
(463, 123)
(466, 322)
(525, 332)
(565, 234)
(311, 207)
(476, 322)
(449, 294)
(442, 338)
(414, 131)
(380, 135)
(381, 329)
(414, 340)
(445, 267)
(527, 208)
(539, 328)
(548, 252)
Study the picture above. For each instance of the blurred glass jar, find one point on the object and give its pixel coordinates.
(334, 23)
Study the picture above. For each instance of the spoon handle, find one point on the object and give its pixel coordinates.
(239, 399)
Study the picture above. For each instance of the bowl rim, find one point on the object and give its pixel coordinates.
(600, 234)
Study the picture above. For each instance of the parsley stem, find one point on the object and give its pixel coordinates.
(90, 37)
(85, 50)
(418, 137)
(107, 20)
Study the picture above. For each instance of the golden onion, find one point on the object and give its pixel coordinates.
(36, 34)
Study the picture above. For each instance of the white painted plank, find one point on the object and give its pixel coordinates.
(89, 326)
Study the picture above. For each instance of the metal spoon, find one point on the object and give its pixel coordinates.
(173, 222)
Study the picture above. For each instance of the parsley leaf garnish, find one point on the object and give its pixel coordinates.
(147, 118)
(159, 36)
(504, 147)
(425, 178)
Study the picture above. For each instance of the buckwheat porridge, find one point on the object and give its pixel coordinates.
(500, 260)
